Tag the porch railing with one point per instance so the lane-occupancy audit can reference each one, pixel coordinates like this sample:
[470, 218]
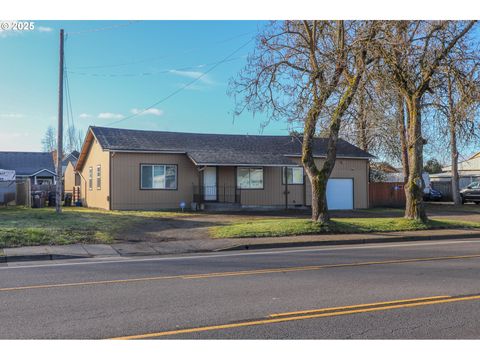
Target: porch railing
[220, 193]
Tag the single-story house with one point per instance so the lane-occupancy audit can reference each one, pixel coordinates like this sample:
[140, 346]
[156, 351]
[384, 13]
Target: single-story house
[468, 172]
[39, 167]
[69, 158]
[124, 169]
[71, 178]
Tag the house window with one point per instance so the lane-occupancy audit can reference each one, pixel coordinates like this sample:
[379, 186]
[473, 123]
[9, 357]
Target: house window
[159, 177]
[249, 178]
[90, 178]
[99, 177]
[294, 175]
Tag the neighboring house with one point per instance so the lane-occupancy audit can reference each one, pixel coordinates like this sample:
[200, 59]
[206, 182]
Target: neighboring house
[37, 166]
[70, 177]
[70, 158]
[380, 172]
[468, 171]
[133, 169]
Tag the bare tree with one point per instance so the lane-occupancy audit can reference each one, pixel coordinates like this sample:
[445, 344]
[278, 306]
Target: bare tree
[412, 53]
[74, 139]
[49, 140]
[370, 122]
[456, 103]
[307, 72]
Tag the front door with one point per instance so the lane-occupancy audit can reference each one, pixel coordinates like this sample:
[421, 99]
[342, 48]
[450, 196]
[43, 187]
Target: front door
[210, 183]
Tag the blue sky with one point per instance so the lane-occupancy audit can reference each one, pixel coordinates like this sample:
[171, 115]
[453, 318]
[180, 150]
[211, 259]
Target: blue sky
[120, 70]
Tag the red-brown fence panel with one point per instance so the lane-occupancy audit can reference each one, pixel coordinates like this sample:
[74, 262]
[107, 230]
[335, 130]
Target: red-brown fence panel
[386, 194]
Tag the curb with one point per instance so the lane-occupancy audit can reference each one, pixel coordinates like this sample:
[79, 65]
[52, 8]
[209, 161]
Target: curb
[349, 242]
[21, 258]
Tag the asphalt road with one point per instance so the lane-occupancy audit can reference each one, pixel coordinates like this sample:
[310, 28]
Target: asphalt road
[401, 291]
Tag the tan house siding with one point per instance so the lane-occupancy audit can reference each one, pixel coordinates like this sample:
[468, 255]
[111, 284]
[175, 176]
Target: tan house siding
[69, 178]
[126, 193]
[356, 169]
[273, 192]
[96, 198]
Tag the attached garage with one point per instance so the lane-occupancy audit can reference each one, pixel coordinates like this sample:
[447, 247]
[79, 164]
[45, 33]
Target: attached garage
[340, 194]
[347, 187]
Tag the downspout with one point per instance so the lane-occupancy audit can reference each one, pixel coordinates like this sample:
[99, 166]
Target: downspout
[285, 176]
[85, 181]
[112, 154]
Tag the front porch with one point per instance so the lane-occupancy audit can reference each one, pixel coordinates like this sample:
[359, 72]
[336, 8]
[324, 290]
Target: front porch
[217, 184]
[246, 186]
[216, 193]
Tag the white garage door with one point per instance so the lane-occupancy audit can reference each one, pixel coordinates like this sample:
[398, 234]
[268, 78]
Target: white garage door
[340, 194]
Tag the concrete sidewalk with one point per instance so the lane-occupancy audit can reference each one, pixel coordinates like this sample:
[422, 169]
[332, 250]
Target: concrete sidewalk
[76, 251]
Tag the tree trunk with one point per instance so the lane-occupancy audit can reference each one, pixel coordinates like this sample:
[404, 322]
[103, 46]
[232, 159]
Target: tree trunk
[319, 200]
[362, 142]
[453, 145]
[455, 178]
[414, 208]
[403, 136]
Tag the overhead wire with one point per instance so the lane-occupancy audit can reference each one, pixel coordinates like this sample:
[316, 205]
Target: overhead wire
[111, 27]
[183, 87]
[192, 67]
[163, 56]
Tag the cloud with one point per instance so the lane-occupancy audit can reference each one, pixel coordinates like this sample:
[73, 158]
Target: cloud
[44, 29]
[11, 115]
[85, 116]
[194, 75]
[108, 115]
[152, 111]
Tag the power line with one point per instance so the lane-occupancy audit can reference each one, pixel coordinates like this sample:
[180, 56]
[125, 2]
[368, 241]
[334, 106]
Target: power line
[192, 67]
[104, 28]
[163, 56]
[70, 117]
[185, 86]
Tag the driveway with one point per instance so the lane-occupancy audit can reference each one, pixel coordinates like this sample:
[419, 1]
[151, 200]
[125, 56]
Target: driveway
[196, 227]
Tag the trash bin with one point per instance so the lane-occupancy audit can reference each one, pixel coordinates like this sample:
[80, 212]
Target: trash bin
[68, 200]
[38, 199]
[51, 198]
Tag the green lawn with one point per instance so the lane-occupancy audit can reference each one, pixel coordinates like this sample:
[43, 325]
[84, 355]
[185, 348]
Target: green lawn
[288, 227]
[21, 226]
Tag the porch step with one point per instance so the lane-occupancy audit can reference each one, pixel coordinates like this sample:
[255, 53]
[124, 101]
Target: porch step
[222, 206]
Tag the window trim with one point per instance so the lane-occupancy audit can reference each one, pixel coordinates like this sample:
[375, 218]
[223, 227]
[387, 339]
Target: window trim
[250, 167]
[158, 189]
[284, 177]
[99, 177]
[90, 178]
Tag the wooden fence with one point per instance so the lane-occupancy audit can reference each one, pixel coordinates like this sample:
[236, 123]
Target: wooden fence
[386, 194]
[445, 187]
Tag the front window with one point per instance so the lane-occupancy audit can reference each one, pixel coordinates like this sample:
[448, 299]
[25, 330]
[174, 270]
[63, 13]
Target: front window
[294, 175]
[90, 178]
[250, 178]
[159, 177]
[99, 177]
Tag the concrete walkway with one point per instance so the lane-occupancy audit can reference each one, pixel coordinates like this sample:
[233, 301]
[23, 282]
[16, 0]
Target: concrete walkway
[34, 253]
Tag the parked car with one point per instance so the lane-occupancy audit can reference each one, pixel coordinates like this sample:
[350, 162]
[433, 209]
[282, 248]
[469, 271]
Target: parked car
[432, 195]
[471, 193]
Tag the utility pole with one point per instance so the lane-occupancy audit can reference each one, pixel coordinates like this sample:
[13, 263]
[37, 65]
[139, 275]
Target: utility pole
[58, 197]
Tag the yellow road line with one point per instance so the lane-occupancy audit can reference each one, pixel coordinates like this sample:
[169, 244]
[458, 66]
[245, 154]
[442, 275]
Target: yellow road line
[357, 306]
[294, 318]
[237, 273]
